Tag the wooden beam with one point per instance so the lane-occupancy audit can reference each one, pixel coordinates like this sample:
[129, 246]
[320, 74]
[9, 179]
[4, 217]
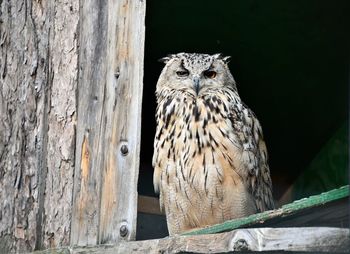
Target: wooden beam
[111, 49]
[259, 239]
[150, 205]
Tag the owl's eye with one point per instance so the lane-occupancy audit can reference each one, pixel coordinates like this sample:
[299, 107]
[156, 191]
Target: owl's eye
[210, 74]
[183, 73]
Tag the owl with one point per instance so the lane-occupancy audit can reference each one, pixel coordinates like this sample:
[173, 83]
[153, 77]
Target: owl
[210, 160]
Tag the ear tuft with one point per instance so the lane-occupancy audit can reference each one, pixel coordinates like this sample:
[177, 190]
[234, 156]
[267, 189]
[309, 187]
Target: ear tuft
[166, 59]
[220, 57]
[226, 59]
[217, 56]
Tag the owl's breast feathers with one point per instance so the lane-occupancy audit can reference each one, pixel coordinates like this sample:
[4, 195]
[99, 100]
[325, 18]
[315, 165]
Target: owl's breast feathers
[210, 159]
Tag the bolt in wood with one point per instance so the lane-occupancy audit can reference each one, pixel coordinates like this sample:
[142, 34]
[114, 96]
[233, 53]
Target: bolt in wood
[117, 73]
[123, 231]
[124, 150]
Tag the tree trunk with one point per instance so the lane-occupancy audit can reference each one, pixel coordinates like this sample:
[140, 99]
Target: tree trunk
[38, 77]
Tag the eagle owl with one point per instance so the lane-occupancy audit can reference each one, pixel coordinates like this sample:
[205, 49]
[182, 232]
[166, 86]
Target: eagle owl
[210, 159]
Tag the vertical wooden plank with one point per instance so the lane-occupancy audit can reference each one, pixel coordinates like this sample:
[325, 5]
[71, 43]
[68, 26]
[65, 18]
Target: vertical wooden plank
[109, 121]
[90, 100]
[123, 127]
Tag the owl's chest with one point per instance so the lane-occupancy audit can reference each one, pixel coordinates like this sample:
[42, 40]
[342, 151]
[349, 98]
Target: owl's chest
[200, 143]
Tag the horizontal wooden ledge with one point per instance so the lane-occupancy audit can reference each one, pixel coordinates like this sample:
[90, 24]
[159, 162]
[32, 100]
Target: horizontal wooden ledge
[305, 239]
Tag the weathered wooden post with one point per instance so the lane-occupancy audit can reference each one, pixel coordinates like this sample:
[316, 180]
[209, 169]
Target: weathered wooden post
[109, 121]
[38, 82]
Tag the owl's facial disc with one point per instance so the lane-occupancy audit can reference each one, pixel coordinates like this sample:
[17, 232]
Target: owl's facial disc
[195, 74]
[195, 79]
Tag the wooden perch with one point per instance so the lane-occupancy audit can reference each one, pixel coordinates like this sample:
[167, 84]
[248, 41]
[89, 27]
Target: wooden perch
[330, 206]
[256, 239]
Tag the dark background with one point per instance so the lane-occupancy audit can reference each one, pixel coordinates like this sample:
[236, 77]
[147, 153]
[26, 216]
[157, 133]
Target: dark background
[289, 58]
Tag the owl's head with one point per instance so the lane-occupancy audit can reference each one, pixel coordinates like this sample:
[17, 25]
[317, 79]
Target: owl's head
[195, 73]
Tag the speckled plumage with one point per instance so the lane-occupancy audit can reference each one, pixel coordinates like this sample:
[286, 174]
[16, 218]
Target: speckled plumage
[210, 159]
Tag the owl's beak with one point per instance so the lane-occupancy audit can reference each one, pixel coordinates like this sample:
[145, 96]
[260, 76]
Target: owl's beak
[196, 84]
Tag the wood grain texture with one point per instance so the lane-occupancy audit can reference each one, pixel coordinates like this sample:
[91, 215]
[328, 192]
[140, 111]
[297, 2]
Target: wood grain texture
[253, 240]
[109, 120]
[38, 72]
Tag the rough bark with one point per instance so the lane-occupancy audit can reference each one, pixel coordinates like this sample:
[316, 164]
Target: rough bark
[38, 77]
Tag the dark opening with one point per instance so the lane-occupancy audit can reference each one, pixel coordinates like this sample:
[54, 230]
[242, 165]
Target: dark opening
[291, 62]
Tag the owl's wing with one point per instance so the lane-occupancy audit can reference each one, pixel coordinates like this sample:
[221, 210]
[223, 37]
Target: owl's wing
[156, 162]
[254, 156]
[159, 157]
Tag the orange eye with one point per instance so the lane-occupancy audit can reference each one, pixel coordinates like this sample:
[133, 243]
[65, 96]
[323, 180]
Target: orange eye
[210, 74]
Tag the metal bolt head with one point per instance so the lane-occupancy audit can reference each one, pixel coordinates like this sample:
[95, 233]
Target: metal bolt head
[241, 245]
[123, 231]
[117, 73]
[124, 150]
